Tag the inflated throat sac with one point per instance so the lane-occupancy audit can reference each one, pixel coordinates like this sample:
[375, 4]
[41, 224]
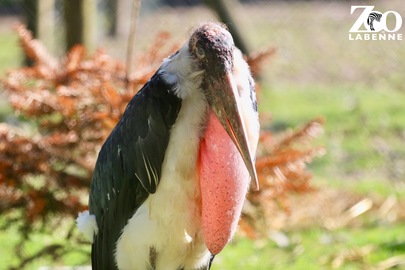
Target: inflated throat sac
[224, 181]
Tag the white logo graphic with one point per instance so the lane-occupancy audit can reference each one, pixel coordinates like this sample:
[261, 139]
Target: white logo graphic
[372, 24]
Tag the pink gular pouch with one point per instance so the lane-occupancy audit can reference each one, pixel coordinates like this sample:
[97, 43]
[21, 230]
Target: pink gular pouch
[224, 182]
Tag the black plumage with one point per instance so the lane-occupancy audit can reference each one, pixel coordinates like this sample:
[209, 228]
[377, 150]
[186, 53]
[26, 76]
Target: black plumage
[129, 164]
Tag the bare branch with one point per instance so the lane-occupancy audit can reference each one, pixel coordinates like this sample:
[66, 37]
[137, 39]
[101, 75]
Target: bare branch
[136, 6]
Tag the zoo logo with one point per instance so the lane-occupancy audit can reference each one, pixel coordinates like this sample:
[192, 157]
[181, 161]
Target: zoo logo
[375, 25]
[374, 16]
[368, 18]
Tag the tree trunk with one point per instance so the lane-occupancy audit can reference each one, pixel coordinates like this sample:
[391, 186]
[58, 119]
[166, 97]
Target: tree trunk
[39, 15]
[124, 11]
[73, 23]
[30, 8]
[80, 21]
[222, 8]
[111, 12]
[46, 23]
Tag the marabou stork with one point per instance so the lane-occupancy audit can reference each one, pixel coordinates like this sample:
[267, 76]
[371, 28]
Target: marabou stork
[170, 180]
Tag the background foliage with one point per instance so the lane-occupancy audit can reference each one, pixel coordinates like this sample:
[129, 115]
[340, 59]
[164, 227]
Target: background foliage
[72, 104]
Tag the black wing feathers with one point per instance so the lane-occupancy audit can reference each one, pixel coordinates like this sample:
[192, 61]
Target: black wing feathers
[129, 164]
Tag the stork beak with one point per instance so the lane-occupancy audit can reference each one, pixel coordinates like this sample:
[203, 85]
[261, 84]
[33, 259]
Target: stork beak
[222, 95]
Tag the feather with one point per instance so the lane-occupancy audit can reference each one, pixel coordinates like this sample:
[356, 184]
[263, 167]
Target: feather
[87, 224]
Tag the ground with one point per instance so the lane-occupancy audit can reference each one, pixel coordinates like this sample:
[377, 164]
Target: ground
[356, 218]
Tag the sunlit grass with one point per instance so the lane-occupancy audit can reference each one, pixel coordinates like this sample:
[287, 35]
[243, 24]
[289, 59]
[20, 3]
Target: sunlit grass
[78, 255]
[363, 132]
[317, 248]
[10, 52]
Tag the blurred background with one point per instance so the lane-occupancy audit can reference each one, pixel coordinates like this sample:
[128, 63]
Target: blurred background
[352, 217]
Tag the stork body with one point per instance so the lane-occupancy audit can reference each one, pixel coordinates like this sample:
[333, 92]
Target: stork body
[169, 182]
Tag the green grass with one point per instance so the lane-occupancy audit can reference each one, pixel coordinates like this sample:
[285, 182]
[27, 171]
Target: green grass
[55, 236]
[10, 57]
[316, 248]
[10, 52]
[363, 132]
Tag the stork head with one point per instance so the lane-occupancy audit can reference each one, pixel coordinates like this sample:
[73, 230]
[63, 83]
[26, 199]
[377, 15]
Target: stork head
[213, 48]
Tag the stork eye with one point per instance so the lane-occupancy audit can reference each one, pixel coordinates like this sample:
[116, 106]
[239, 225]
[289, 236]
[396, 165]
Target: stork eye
[200, 52]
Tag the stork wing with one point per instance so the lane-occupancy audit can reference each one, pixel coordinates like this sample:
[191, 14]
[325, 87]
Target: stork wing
[129, 165]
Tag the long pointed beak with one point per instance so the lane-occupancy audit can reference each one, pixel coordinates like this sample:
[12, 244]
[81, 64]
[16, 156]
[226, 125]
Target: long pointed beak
[222, 95]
